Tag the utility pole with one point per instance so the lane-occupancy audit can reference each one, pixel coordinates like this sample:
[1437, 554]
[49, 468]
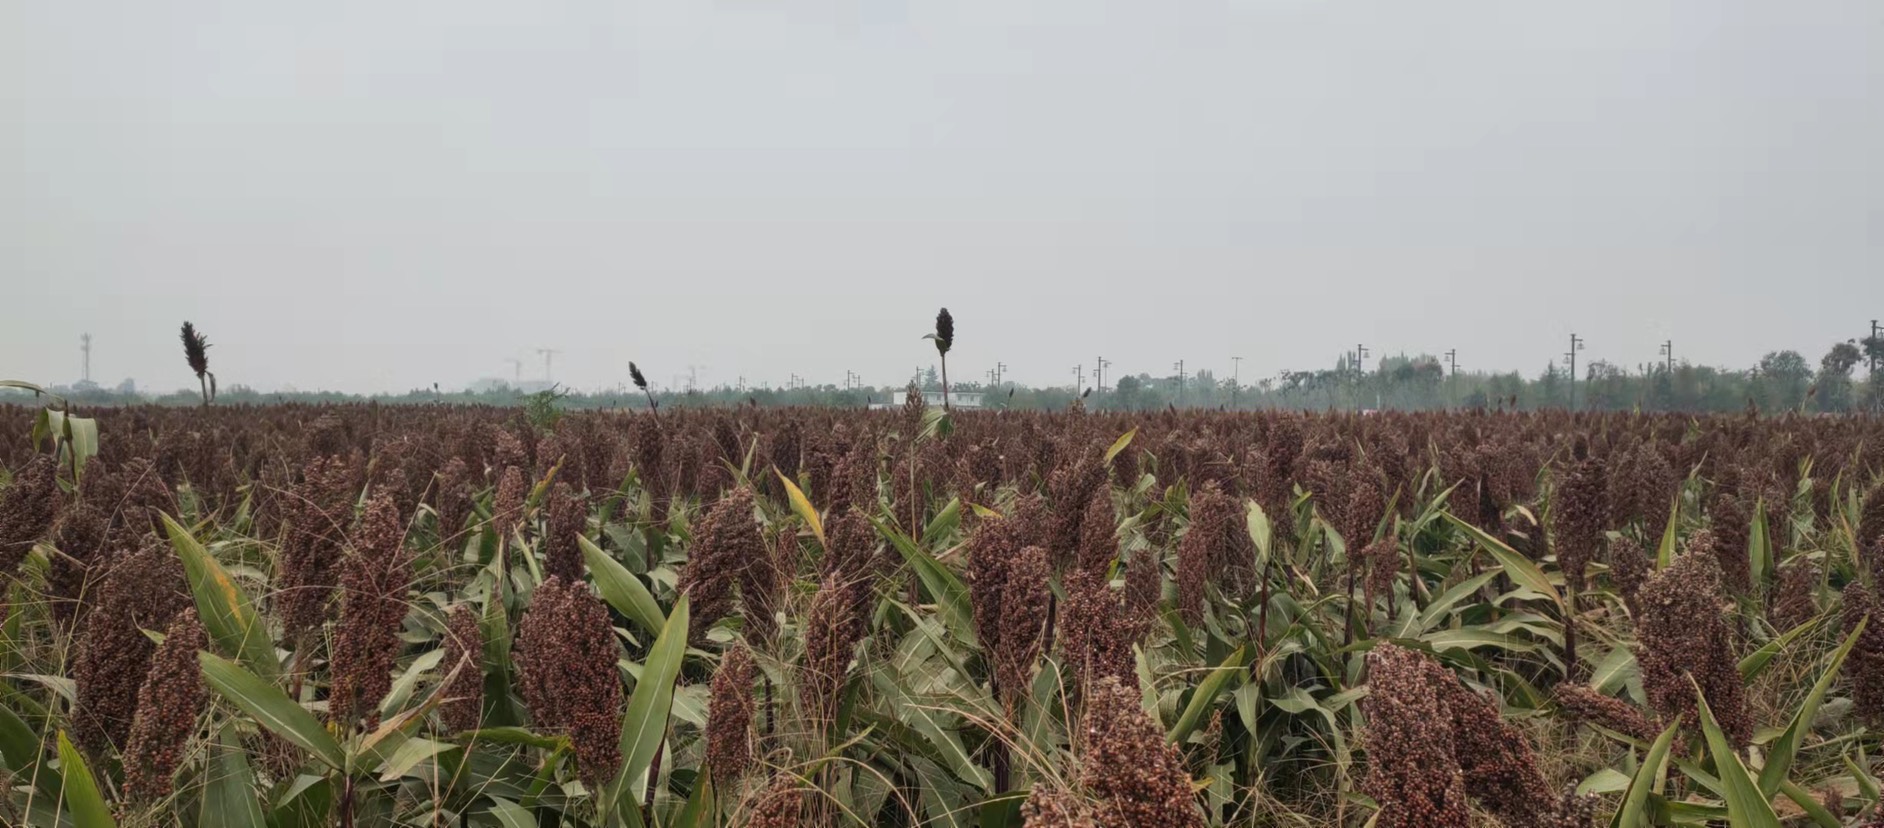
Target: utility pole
[1000, 372]
[1668, 350]
[1179, 367]
[1452, 379]
[1079, 378]
[516, 372]
[1576, 344]
[85, 347]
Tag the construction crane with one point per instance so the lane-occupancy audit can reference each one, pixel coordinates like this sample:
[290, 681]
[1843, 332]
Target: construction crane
[85, 347]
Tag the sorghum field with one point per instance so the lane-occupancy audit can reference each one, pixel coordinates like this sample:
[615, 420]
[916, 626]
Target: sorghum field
[381, 615]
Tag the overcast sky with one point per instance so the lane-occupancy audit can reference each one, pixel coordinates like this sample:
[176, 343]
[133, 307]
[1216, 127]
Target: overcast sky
[374, 196]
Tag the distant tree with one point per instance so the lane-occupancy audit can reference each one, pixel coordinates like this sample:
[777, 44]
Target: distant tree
[1834, 379]
[1783, 377]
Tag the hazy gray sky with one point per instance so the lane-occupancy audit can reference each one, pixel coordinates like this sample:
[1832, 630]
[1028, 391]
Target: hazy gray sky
[376, 196]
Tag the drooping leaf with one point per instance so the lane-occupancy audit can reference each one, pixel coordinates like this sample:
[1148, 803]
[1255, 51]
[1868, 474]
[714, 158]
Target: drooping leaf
[1521, 569]
[1120, 444]
[621, 589]
[228, 615]
[271, 708]
[802, 507]
[942, 584]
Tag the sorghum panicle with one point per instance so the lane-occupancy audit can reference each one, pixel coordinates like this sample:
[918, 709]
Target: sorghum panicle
[565, 658]
[1864, 667]
[1215, 549]
[1793, 601]
[725, 542]
[780, 805]
[1050, 807]
[1629, 567]
[144, 590]
[451, 498]
[568, 517]
[729, 717]
[1682, 632]
[1412, 770]
[1023, 621]
[1500, 767]
[374, 577]
[463, 708]
[168, 706]
[1583, 704]
[1137, 775]
[317, 511]
[507, 505]
[833, 626]
[1096, 637]
[1098, 532]
[762, 586]
[1577, 516]
[28, 507]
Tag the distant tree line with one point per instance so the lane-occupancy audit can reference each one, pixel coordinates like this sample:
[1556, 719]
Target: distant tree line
[1848, 377]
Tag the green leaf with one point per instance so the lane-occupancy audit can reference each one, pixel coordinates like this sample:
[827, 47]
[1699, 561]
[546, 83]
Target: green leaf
[1755, 662]
[306, 802]
[227, 614]
[408, 681]
[1205, 696]
[1759, 551]
[81, 790]
[1261, 531]
[1746, 806]
[511, 815]
[1120, 444]
[1665, 553]
[1810, 804]
[621, 589]
[1521, 569]
[947, 589]
[943, 522]
[1780, 754]
[271, 708]
[19, 745]
[76, 437]
[229, 788]
[645, 724]
[802, 506]
[1634, 812]
[699, 812]
[409, 753]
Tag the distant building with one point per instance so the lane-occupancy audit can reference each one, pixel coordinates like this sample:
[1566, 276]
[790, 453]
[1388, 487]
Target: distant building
[957, 399]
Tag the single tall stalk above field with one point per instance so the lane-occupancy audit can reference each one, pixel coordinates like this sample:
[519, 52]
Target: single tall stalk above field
[196, 353]
[944, 337]
[641, 382]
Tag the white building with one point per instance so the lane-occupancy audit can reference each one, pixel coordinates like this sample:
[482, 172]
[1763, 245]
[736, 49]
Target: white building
[957, 399]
